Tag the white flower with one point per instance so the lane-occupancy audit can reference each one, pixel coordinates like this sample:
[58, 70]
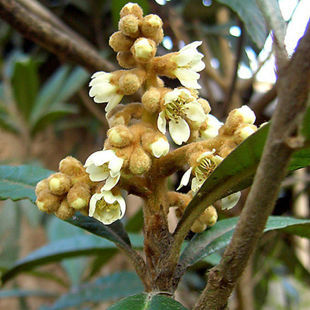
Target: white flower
[206, 163]
[189, 62]
[246, 113]
[180, 105]
[104, 165]
[106, 207]
[104, 91]
[212, 127]
[230, 201]
[160, 147]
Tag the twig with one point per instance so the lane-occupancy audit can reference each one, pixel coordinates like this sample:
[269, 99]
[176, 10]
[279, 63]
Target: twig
[51, 38]
[260, 103]
[93, 108]
[231, 91]
[293, 91]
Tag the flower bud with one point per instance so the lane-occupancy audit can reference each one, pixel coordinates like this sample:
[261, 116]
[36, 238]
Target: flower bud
[119, 136]
[209, 216]
[205, 105]
[151, 100]
[41, 186]
[47, 202]
[198, 227]
[71, 167]
[243, 132]
[59, 183]
[131, 8]
[139, 162]
[151, 25]
[160, 147]
[119, 42]
[126, 60]
[64, 211]
[143, 50]
[129, 26]
[129, 83]
[78, 196]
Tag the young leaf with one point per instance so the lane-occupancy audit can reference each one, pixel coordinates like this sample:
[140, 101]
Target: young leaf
[25, 84]
[147, 302]
[19, 182]
[218, 236]
[108, 288]
[253, 20]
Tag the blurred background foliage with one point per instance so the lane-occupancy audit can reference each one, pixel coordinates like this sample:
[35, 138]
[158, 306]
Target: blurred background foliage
[46, 114]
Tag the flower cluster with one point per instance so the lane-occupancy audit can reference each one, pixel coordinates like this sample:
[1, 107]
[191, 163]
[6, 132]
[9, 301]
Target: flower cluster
[137, 139]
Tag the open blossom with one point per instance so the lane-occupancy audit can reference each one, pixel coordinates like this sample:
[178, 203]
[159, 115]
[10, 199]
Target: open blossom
[103, 90]
[179, 106]
[104, 165]
[206, 163]
[188, 61]
[106, 207]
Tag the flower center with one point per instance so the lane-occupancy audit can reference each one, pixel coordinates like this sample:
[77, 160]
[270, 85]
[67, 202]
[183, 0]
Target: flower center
[102, 205]
[177, 108]
[204, 169]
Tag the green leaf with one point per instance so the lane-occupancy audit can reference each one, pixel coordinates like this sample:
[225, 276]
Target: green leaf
[109, 288]
[236, 172]
[135, 223]
[58, 230]
[147, 302]
[58, 250]
[25, 293]
[65, 248]
[19, 182]
[116, 6]
[114, 232]
[253, 20]
[55, 112]
[47, 93]
[218, 236]
[25, 84]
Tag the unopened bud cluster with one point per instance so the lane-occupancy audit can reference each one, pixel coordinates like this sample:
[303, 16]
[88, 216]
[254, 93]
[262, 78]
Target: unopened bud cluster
[137, 135]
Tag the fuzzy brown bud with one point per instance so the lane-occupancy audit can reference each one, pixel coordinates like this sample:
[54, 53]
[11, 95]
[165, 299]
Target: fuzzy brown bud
[47, 202]
[71, 167]
[59, 183]
[64, 211]
[205, 105]
[151, 100]
[209, 216]
[150, 25]
[129, 25]
[140, 162]
[126, 60]
[129, 83]
[41, 186]
[119, 136]
[119, 42]
[131, 8]
[198, 227]
[78, 196]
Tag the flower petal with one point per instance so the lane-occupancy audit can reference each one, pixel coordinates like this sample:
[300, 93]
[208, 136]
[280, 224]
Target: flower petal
[115, 166]
[161, 122]
[195, 112]
[179, 131]
[185, 178]
[113, 102]
[196, 184]
[110, 182]
[187, 77]
[230, 201]
[92, 203]
[97, 174]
